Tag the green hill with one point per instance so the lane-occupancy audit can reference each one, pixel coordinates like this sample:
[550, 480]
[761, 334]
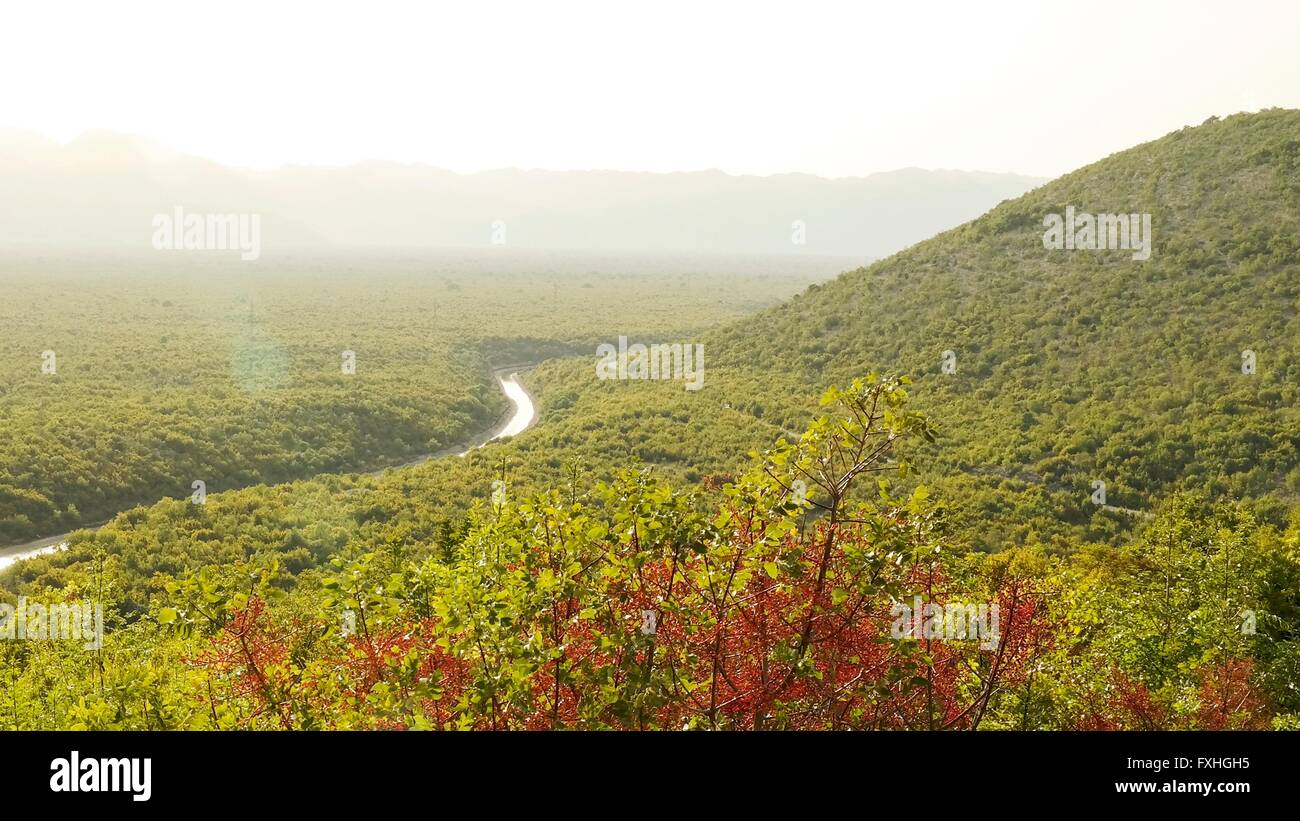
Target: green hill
[1070, 366]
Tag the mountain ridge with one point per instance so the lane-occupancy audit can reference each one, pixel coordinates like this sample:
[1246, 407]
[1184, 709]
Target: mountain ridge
[105, 187]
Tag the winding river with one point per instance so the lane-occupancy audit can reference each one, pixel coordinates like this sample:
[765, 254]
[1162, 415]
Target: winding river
[520, 419]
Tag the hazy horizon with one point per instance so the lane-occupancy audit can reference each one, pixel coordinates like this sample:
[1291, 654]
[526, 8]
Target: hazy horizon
[13, 136]
[108, 188]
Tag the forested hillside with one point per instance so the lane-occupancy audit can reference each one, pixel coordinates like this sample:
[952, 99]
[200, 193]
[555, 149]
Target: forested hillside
[635, 604]
[1070, 366]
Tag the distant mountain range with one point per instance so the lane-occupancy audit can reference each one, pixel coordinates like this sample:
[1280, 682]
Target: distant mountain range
[105, 188]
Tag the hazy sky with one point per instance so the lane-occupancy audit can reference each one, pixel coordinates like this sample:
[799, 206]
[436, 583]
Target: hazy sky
[827, 88]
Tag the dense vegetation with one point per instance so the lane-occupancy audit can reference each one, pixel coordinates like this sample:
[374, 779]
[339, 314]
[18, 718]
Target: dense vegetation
[1174, 605]
[1070, 367]
[635, 605]
[170, 370]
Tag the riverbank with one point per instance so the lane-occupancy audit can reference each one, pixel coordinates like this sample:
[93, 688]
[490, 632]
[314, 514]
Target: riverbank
[521, 415]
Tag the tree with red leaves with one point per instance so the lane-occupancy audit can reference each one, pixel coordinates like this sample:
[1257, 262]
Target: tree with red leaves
[799, 596]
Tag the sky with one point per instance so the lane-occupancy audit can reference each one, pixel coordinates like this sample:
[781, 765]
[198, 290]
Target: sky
[833, 89]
